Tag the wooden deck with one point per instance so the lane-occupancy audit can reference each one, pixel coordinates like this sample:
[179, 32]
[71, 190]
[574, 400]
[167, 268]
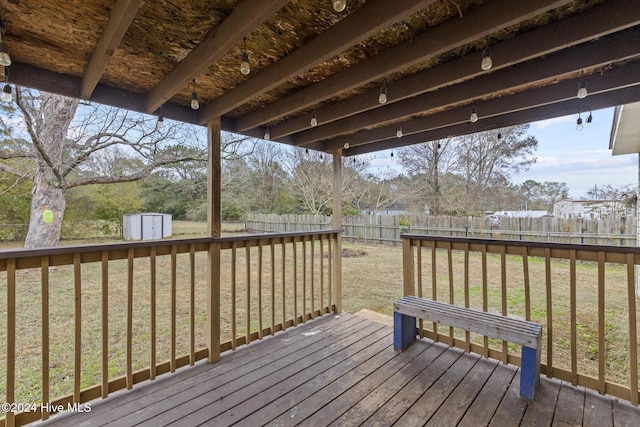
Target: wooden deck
[342, 370]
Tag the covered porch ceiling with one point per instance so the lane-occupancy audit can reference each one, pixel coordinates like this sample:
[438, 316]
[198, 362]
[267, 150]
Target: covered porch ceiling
[309, 60]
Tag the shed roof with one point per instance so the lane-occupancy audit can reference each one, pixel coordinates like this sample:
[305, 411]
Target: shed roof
[308, 59]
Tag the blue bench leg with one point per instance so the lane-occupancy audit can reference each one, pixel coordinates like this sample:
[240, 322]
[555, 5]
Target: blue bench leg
[529, 372]
[404, 331]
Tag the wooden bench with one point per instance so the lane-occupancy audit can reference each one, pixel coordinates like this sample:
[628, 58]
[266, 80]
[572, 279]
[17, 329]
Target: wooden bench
[522, 332]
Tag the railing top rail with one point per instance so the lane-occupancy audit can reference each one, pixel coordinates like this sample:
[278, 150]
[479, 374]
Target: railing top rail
[61, 250]
[523, 243]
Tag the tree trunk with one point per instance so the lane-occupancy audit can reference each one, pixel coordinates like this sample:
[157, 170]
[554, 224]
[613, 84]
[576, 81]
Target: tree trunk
[44, 197]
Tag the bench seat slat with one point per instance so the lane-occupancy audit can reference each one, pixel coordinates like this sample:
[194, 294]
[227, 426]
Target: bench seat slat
[516, 331]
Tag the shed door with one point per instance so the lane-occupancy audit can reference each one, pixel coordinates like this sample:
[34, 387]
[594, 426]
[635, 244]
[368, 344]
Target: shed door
[151, 227]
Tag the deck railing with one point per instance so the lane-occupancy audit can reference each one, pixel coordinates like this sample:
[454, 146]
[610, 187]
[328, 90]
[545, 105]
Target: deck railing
[583, 295]
[85, 321]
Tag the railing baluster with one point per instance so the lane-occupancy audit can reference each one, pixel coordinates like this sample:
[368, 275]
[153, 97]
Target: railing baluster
[527, 283]
[451, 292]
[105, 324]
[419, 278]
[321, 275]
[248, 310]
[77, 366]
[601, 325]
[153, 309]
[192, 304]
[573, 316]
[44, 277]
[330, 243]
[467, 334]
[304, 279]
[633, 333]
[273, 287]
[174, 305]
[485, 294]
[283, 266]
[434, 285]
[129, 350]
[11, 339]
[295, 283]
[233, 295]
[260, 271]
[313, 263]
[547, 274]
[503, 291]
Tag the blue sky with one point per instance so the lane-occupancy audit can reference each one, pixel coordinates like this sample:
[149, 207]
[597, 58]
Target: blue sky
[581, 159]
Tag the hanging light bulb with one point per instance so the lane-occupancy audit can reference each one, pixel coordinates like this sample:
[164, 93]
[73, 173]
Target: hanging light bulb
[267, 134]
[582, 89]
[339, 5]
[321, 156]
[474, 115]
[245, 68]
[346, 145]
[579, 123]
[382, 98]
[194, 97]
[499, 135]
[486, 63]
[391, 154]
[589, 117]
[354, 160]
[306, 152]
[160, 121]
[314, 119]
[6, 93]
[399, 132]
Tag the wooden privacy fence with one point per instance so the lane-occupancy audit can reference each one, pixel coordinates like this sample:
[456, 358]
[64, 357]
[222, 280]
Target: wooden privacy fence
[83, 322]
[387, 229]
[589, 314]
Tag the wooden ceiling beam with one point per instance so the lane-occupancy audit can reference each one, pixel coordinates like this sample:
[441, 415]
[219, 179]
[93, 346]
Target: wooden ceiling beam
[594, 23]
[564, 108]
[352, 29]
[616, 47]
[477, 24]
[244, 18]
[120, 19]
[623, 76]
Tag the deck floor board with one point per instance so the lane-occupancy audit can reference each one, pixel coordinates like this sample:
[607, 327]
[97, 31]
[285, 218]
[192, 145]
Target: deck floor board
[342, 371]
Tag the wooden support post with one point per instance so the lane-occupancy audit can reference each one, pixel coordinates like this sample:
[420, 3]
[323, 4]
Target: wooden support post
[214, 228]
[336, 223]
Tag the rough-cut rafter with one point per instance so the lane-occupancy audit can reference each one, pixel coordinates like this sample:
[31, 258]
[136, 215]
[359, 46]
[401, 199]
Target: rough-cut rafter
[594, 23]
[543, 71]
[610, 80]
[349, 31]
[480, 23]
[248, 15]
[120, 18]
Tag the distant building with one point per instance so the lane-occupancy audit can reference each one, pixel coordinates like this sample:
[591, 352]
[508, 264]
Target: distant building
[522, 214]
[589, 209]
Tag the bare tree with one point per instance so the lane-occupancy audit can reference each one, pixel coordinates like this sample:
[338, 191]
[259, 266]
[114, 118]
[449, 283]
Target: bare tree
[71, 145]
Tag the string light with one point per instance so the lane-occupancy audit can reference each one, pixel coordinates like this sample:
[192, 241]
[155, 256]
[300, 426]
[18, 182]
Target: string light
[245, 68]
[486, 63]
[474, 115]
[579, 123]
[194, 97]
[306, 152]
[267, 134]
[399, 132]
[589, 117]
[346, 145]
[339, 5]
[160, 121]
[582, 89]
[499, 134]
[382, 98]
[314, 119]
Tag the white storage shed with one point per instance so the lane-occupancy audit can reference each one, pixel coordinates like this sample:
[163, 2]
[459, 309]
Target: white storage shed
[147, 226]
